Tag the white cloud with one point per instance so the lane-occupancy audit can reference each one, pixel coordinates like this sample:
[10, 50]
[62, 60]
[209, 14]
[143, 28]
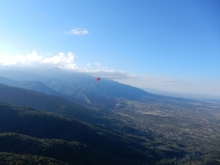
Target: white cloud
[61, 60]
[33, 60]
[78, 31]
[97, 63]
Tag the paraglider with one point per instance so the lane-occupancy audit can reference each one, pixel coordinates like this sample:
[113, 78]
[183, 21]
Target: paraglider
[97, 79]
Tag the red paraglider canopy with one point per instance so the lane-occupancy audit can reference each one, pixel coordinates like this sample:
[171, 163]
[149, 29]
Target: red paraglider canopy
[97, 79]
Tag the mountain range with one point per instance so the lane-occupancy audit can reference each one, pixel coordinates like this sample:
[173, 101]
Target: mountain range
[76, 87]
[62, 117]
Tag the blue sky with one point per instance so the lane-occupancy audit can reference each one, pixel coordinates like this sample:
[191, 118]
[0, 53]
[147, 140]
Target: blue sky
[170, 45]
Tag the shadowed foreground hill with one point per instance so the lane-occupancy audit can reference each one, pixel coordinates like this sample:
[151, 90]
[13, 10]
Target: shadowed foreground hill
[48, 103]
[43, 125]
[67, 152]
[12, 159]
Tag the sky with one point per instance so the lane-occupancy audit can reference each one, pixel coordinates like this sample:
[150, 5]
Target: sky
[172, 45]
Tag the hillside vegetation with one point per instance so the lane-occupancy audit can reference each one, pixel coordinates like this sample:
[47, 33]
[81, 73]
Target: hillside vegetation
[12, 159]
[68, 118]
[34, 123]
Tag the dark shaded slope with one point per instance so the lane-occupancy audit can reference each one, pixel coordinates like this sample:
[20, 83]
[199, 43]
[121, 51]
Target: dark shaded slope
[67, 152]
[42, 125]
[18, 159]
[49, 103]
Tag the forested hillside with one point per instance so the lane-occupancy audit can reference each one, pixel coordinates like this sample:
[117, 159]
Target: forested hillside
[130, 126]
[95, 141]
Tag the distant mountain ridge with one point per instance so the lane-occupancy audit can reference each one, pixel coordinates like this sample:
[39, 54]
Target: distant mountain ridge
[76, 87]
[37, 86]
